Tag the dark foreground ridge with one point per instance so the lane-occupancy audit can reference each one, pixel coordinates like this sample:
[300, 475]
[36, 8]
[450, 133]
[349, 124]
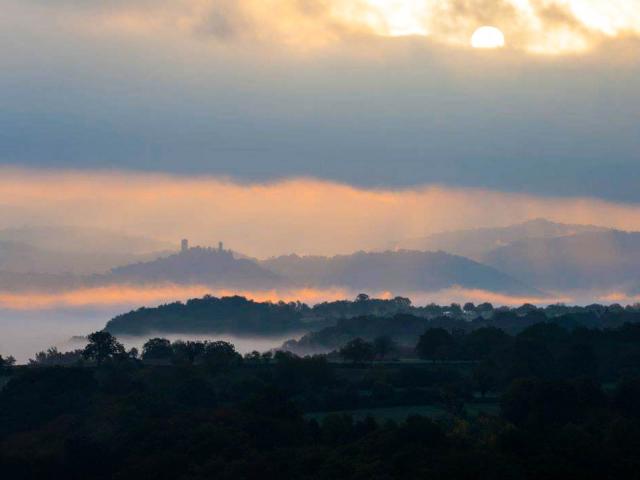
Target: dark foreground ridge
[396, 317]
[550, 401]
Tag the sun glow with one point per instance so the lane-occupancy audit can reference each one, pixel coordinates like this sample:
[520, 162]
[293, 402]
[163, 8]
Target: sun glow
[548, 27]
[561, 27]
[487, 38]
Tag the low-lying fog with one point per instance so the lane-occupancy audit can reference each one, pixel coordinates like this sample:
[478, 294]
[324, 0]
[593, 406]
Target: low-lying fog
[29, 324]
[24, 333]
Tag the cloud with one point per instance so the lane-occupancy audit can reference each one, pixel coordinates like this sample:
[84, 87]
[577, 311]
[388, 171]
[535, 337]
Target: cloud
[293, 215]
[540, 26]
[123, 296]
[127, 297]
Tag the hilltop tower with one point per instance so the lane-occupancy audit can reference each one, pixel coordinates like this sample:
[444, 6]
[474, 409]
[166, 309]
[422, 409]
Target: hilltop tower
[220, 246]
[184, 245]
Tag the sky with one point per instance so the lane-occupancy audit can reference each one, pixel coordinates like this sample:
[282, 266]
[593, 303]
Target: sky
[375, 95]
[301, 215]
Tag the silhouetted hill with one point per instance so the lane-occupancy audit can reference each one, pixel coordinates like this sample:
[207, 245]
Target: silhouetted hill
[594, 260]
[199, 266]
[404, 271]
[406, 328]
[477, 243]
[231, 315]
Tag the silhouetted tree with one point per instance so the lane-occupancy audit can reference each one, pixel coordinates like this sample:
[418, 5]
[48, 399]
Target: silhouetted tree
[253, 357]
[484, 342]
[7, 362]
[186, 352]
[580, 360]
[267, 356]
[434, 344]
[52, 357]
[157, 349]
[220, 354]
[383, 346]
[103, 346]
[484, 308]
[626, 397]
[486, 376]
[357, 351]
[455, 309]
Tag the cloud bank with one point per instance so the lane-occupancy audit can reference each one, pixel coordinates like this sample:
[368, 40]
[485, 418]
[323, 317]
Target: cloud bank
[537, 26]
[327, 89]
[265, 219]
[126, 297]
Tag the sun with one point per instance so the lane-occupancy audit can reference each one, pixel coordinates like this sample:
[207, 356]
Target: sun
[487, 37]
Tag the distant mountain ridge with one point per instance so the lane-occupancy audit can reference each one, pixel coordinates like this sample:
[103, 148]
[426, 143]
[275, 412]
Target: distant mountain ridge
[551, 256]
[206, 266]
[408, 271]
[477, 243]
[405, 271]
[606, 260]
[532, 259]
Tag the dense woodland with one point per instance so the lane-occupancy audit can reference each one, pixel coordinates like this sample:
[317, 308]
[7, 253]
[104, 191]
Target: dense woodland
[555, 399]
[240, 316]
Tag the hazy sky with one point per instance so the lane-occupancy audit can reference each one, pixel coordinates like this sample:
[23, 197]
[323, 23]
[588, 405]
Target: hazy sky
[293, 215]
[383, 93]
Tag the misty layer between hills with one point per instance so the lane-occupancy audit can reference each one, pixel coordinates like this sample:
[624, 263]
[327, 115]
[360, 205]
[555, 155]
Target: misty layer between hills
[533, 259]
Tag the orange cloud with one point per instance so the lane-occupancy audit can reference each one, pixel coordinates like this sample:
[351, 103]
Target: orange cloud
[540, 26]
[128, 296]
[264, 219]
[135, 296]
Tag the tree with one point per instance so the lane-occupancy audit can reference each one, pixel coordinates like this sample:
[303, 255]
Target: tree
[545, 333]
[253, 357]
[103, 346]
[539, 403]
[383, 346]
[7, 362]
[435, 344]
[580, 360]
[157, 349]
[187, 352]
[484, 343]
[455, 309]
[357, 351]
[402, 302]
[525, 309]
[469, 307]
[267, 356]
[626, 397]
[486, 376]
[484, 308]
[53, 356]
[220, 354]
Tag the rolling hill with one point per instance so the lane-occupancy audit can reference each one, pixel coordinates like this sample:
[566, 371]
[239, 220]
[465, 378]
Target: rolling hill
[401, 271]
[477, 243]
[608, 260]
[203, 266]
